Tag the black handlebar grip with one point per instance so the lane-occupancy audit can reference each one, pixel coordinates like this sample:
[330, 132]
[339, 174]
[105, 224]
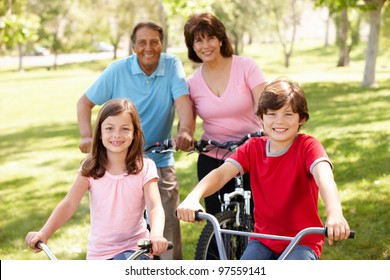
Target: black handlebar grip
[170, 245]
[196, 215]
[351, 234]
[38, 244]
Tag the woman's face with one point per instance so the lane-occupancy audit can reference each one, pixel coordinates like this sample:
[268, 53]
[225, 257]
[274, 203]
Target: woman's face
[206, 47]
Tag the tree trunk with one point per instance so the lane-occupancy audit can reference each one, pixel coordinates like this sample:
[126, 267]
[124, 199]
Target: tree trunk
[372, 46]
[327, 26]
[130, 49]
[20, 68]
[342, 34]
[164, 22]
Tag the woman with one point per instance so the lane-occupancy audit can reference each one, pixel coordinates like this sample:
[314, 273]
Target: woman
[224, 91]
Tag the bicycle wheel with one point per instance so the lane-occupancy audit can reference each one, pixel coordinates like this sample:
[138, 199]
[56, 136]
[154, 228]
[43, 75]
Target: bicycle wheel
[235, 245]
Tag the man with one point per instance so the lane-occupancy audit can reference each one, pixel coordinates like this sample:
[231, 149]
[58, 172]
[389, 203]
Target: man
[155, 82]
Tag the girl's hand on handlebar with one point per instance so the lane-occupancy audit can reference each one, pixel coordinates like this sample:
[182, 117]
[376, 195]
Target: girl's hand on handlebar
[159, 245]
[32, 239]
[186, 210]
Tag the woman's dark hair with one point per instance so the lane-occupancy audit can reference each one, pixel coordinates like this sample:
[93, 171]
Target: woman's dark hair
[280, 92]
[95, 164]
[205, 24]
[149, 25]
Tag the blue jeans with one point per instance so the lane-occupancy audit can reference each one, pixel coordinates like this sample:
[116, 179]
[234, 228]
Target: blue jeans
[258, 251]
[126, 254]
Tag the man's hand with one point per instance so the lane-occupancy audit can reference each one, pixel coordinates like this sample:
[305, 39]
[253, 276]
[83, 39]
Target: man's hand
[85, 145]
[183, 140]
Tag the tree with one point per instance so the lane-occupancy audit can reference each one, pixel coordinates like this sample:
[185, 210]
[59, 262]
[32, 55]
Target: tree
[347, 17]
[238, 16]
[17, 31]
[287, 16]
[373, 43]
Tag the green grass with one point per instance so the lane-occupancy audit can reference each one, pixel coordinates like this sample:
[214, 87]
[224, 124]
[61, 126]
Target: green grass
[39, 154]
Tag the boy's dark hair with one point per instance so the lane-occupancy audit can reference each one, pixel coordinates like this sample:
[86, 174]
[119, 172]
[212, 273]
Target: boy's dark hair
[205, 24]
[280, 92]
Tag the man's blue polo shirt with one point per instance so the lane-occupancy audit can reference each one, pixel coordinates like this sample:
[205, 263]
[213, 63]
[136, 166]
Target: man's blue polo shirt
[153, 95]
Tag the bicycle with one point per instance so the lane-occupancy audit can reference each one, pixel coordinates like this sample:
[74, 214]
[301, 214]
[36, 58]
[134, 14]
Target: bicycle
[214, 222]
[145, 247]
[235, 210]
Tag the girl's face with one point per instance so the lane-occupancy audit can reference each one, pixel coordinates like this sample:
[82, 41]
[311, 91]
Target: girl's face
[117, 133]
[281, 126]
[207, 47]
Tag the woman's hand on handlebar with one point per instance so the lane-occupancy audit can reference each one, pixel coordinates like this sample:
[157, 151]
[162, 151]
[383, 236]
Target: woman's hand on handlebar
[186, 210]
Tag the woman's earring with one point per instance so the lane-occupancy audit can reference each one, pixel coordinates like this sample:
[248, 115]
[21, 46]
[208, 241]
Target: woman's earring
[220, 44]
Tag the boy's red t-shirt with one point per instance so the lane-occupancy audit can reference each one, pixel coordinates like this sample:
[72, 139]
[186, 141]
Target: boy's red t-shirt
[284, 191]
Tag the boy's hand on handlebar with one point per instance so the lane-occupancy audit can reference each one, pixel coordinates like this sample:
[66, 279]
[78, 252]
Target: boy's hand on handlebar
[186, 210]
[337, 229]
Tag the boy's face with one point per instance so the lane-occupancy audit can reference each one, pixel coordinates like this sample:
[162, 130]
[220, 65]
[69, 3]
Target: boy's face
[281, 126]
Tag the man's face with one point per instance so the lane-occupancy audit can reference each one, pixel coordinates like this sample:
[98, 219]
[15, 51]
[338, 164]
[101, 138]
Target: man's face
[148, 48]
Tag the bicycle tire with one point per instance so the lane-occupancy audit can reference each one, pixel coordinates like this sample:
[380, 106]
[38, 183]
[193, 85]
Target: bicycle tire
[235, 245]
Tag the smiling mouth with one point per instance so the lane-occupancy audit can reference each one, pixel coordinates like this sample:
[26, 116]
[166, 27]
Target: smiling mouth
[116, 143]
[207, 53]
[280, 129]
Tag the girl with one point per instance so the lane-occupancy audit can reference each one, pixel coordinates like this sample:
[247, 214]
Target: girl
[287, 170]
[121, 182]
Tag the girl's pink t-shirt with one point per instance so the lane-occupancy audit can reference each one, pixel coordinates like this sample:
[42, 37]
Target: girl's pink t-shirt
[117, 207]
[231, 116]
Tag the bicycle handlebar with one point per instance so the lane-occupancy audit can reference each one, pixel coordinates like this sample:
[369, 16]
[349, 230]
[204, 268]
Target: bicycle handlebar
[201, 145]
[163, 146]
[200, 215]
[145, 246]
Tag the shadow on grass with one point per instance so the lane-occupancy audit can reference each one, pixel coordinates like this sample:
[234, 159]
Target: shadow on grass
[38, 138]
[345, 104]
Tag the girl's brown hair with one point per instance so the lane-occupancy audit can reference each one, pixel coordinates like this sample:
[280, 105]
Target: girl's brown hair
[280, 92]
[205, 24]
[95, 164]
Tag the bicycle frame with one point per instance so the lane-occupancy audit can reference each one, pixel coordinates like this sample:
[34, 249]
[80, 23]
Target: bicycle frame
[293, 240]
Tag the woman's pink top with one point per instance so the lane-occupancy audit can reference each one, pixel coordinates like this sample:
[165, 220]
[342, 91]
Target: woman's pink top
[231, 116]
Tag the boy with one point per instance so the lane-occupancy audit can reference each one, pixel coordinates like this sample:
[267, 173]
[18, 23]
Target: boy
[287, 170]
